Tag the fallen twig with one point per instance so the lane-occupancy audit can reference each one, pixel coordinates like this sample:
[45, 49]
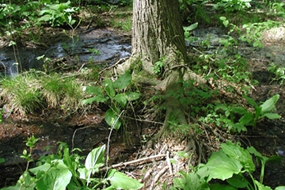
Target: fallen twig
[142, 160]
[158, 176]
[114, 65]
[142, 120]
[168, 163]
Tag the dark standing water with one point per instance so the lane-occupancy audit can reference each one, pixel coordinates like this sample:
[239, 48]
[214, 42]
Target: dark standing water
[94, 46]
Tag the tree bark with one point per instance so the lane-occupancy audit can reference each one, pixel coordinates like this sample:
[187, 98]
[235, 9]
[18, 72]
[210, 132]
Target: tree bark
[157, 33]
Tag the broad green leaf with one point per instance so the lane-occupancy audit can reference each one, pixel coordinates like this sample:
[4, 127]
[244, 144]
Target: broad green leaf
[191, 181]
[123, 81]
[191, 27]
[94, 90]
[27, 183]
[57, 178]
[108, 84]
[119, 180]
[238, 127]
[16, 187]
[133, 96]
[217, 186]
[71, 164]
[202, 171]
[83, 173]
[246, 119]
[112, 119]
[253, 151]
[2, 160]
[109, 188]
[45, 18]
[45, 167]
[239, 110]
[98, 98]
[258, 112]
[269, 104]
[274, 159]
[95, 158]
[251, 101]
[280, 188]
[261, 186]
[222, 167]
[121, 99]
[272, 115]
[221, 106]
[72, 186]
[235, 152]
[238, 181]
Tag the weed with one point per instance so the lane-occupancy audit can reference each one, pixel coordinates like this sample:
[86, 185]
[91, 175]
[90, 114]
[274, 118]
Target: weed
[237, 118]
[58, 14]
[34, 90]
[123, 22]
[72, 94]
[231, 164]
[112, 91]
[279, 72]
[66, 171]
[159, 66]
[188, 29]
[254, 32]
[233, 5]
[22, 93]
[52, 90]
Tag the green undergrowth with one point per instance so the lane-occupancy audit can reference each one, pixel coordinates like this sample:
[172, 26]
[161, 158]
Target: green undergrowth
[69, 170]
[236, 118]
[32, 91]
[230, 168]
[116, 95]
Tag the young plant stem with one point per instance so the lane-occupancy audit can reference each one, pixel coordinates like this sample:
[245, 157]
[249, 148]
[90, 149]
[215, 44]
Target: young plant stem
[262, 171]
[109, 138]
[28, 161]
[252, 179]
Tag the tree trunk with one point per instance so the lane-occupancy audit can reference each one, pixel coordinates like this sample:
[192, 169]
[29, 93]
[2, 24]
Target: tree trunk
[157, 32]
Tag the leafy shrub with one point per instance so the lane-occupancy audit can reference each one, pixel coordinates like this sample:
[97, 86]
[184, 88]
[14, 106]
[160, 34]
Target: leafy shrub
[237, 118]
[66, 171]
[112, 91]
[231, 165]
[58, 14]
[278, 71]
[232, 5]
[254, 31]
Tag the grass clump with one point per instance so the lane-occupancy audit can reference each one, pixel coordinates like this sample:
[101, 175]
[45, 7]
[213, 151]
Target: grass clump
[32, 91]
[72, 94]
[22, 93]
[52, 90]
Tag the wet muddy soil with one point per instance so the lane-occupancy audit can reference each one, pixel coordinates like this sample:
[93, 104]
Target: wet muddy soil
[96, 46]
[83, 131]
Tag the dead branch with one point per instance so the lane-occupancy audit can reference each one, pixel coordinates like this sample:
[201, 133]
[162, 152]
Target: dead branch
[156, 178]
[140, 161]
[168, 163]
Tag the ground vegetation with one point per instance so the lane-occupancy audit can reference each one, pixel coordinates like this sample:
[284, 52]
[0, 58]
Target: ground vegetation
[190, 99]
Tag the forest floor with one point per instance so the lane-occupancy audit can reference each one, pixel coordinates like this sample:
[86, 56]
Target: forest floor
[87, 131]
